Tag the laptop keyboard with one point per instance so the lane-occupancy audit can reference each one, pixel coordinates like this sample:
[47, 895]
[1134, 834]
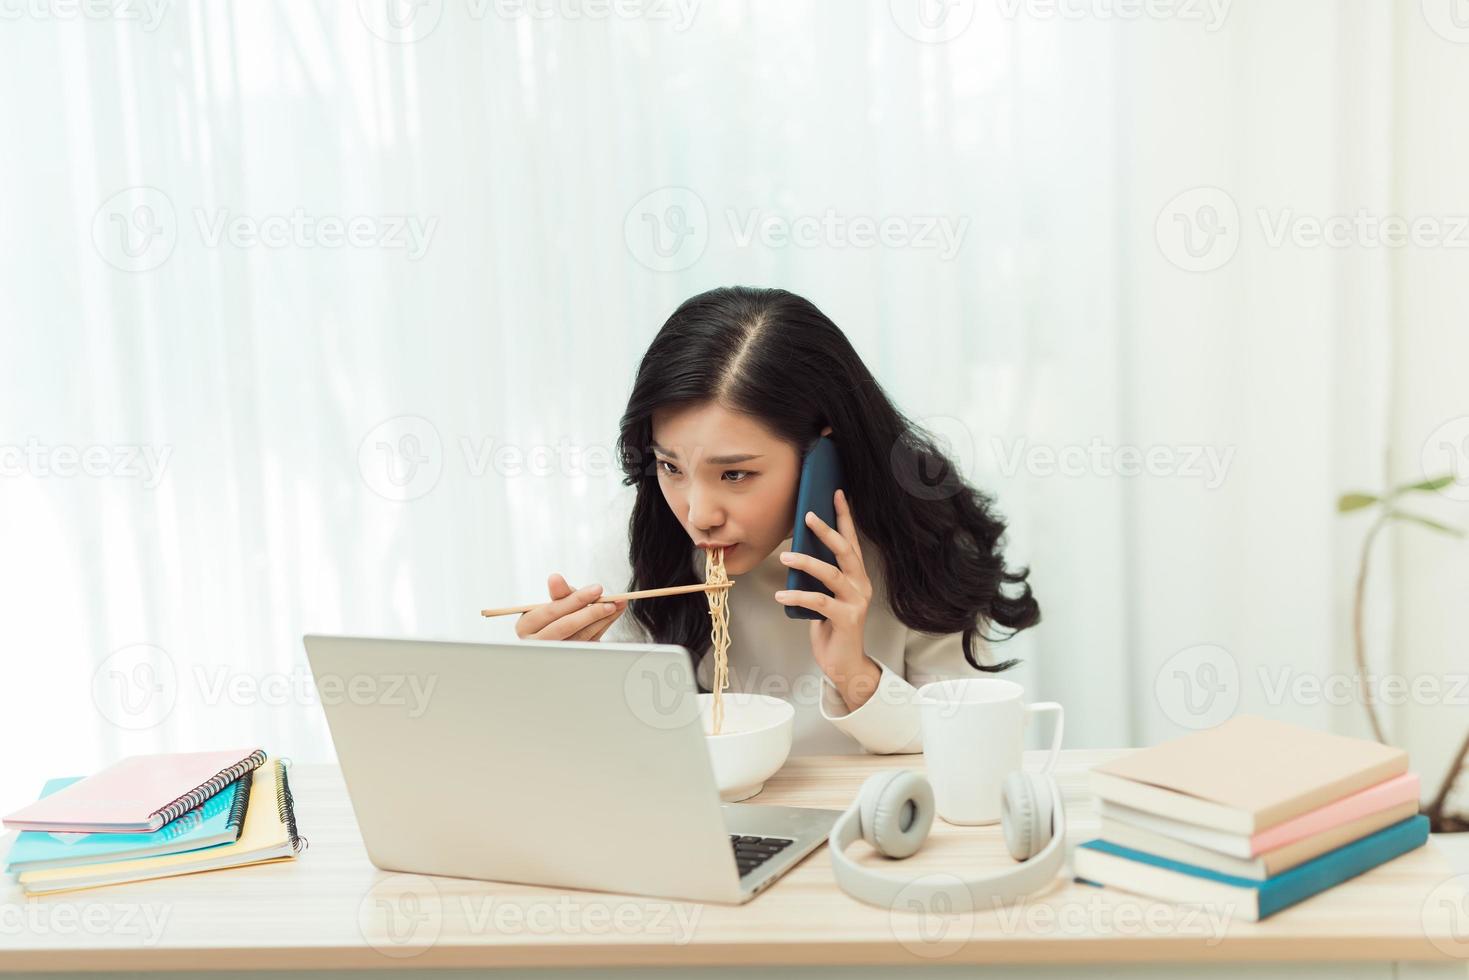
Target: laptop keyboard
[751, 852]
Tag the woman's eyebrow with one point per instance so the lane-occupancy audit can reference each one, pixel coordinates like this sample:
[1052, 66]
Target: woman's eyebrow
[715, 460]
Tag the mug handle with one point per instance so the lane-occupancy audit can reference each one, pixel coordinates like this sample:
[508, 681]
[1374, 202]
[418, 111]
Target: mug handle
[1044, 707]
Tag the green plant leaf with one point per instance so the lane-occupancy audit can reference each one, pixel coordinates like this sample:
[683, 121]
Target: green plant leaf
[1354, 501]
[1425, 486]
[1427, 522]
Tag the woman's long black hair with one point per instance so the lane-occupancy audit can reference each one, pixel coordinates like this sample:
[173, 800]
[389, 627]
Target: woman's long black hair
[774, 356]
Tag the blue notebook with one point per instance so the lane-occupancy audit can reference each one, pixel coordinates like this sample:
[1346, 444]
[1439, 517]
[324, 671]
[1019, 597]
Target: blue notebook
[218, 820]
[1101, 863]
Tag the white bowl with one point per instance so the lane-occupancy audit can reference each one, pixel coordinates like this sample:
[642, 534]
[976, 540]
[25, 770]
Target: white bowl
[753, 742]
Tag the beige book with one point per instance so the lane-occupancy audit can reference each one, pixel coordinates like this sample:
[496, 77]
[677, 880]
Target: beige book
[1247, 774]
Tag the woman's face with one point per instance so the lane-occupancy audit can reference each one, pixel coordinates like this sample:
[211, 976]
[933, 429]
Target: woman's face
[728, 480]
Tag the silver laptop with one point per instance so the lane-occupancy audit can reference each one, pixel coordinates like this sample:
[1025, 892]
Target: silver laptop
[576, 765]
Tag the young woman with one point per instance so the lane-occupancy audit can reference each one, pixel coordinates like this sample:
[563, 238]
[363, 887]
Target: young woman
[734, 389]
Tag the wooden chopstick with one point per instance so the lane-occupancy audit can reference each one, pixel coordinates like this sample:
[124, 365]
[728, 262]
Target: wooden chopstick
[644, 594]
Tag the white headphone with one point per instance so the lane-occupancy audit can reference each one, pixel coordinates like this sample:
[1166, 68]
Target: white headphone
[894, 811]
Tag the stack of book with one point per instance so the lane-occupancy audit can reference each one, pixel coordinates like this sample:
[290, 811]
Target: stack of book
[154, 816]
[1255, 814]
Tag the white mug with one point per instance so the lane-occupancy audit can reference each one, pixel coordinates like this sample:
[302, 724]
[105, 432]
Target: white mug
[973, 735]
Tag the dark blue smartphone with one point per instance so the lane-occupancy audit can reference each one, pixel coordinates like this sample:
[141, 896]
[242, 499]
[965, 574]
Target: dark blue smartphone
[821, 477]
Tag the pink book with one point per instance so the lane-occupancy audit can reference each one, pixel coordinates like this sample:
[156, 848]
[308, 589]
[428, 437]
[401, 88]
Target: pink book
[138, 794]
[1380, 796]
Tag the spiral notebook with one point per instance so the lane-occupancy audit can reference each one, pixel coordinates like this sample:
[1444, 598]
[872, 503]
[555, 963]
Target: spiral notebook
[269, 835]
[138, 794]
[218, 820]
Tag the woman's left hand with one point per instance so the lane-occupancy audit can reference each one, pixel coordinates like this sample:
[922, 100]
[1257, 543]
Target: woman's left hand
[836, 642]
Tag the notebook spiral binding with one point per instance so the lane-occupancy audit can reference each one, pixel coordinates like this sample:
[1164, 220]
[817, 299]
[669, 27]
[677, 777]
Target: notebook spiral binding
[239, 803]
[286, 807]
[215, 783]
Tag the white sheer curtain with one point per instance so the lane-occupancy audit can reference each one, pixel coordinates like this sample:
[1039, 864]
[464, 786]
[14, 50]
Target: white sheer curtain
[334, 275]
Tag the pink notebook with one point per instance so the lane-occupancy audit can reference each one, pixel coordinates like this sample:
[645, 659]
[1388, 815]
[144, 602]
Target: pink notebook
[138, 794]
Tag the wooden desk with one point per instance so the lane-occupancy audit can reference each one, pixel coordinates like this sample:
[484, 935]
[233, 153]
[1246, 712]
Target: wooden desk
[333, 909]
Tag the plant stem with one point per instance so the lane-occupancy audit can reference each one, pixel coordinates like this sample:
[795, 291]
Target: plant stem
[1359, 642]
[1435, 809]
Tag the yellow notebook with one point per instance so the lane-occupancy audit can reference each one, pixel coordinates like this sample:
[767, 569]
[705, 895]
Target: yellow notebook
[269, 835]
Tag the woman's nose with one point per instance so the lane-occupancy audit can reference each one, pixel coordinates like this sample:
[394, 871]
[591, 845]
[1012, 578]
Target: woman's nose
[705, 513]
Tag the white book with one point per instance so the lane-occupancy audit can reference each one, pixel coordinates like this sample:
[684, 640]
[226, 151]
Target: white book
[1219, 841]
[1262, 866]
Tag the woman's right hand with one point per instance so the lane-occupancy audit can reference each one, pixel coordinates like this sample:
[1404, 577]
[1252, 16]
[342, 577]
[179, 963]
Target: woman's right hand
[572, 614]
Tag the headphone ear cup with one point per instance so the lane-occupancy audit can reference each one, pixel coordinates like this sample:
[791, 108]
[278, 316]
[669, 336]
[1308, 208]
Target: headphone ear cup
[896, 811]
[867, 800]
[1025, 813]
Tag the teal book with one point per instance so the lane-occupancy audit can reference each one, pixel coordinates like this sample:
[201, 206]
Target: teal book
[1102, 863]
[218, 820]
